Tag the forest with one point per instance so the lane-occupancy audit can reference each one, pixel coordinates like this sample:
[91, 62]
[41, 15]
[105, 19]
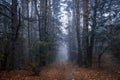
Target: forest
[59, 39]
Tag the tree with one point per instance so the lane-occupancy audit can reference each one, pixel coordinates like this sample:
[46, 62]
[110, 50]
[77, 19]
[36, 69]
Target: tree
[78, 29]
[92, 36]
[85, 35]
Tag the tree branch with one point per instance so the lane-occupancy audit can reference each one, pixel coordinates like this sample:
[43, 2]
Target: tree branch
[5, 15]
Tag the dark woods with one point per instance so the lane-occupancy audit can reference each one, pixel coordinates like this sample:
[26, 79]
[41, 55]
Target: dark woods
[30, 31]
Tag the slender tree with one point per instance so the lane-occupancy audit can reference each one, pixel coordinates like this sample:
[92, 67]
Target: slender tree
[92, 36]
[78, 30]
[85, 34]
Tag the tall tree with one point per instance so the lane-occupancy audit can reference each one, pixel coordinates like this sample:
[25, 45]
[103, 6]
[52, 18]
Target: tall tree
[85, 35]
[78, 30]
[92, 36]
[14, 35]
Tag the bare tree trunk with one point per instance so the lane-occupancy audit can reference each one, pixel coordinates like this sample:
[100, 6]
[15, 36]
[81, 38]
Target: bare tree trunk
[28, 24]
[90, 48]
[6, 46]
[85, 35]
[13, 37]
[28, 34]
[99, 60]
[43, 31]
[77, 16]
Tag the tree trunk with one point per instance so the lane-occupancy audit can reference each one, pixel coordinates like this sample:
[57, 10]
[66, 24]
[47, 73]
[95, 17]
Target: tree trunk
[90, 48]
[85, 35]
[13, 37]
[28, 24]
[99, 60]
[77, 12]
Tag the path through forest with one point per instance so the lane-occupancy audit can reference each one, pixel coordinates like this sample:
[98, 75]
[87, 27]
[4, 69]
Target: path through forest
[60, 71]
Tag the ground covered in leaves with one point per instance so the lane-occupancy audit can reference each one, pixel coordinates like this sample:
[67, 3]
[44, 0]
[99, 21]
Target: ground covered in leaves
[60, 71]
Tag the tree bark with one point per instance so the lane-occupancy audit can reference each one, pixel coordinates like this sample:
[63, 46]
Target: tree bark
[92, 37]
[77, 16]
[85, 34]
[13, 37]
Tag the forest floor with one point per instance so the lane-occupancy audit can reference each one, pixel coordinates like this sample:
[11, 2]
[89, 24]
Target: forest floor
[60, 71]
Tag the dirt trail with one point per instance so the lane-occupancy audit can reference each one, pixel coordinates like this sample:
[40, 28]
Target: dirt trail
[66, 71]
[60, 71]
